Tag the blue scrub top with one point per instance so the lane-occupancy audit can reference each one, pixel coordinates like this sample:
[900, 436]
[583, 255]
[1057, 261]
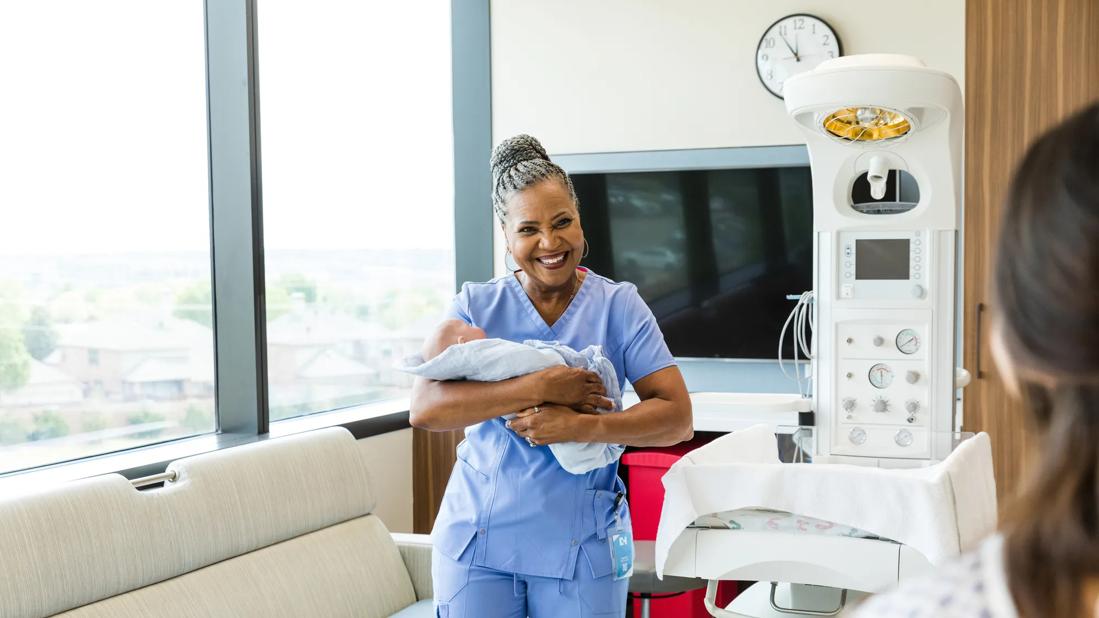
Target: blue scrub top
[515, 505]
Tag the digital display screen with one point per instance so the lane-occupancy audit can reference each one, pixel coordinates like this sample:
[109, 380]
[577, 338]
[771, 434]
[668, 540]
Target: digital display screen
[881, 259]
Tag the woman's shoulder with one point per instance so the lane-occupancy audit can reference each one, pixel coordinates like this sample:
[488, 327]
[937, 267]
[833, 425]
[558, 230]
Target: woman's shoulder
[483, 290]
[971, 585]
[611, 289]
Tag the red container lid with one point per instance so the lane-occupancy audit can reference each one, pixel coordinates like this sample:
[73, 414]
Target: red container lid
[664, 456]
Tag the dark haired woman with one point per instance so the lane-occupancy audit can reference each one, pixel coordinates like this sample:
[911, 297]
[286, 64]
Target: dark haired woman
[517, 535]
[1045, 562]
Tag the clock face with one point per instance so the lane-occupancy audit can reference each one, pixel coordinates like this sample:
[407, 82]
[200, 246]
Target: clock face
[792, 45]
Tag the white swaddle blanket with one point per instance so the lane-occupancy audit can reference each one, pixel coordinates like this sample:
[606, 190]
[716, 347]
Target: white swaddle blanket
[940, 510]
[492, 360]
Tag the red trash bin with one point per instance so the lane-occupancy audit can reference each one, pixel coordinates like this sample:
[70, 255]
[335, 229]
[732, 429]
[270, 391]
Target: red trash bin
[644, 469]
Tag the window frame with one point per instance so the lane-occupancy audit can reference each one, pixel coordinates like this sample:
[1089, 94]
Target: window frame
[237, 249]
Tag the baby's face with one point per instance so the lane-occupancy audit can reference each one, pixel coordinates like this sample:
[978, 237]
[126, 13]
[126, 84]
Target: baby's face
[449, 333]
[461, 332]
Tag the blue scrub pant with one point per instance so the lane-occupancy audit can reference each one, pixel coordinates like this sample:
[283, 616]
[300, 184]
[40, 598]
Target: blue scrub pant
[466, 591]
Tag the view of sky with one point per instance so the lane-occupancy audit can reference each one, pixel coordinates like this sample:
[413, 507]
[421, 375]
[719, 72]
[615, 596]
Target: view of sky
[104, 149]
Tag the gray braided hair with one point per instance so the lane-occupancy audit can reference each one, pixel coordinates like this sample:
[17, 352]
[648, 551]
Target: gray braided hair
[517, 163]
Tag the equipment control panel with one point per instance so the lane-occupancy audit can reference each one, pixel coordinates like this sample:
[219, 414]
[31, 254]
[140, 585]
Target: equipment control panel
[883, 265]
[883, 388]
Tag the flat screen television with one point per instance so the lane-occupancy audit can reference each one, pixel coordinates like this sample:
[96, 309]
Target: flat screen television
[714, 240]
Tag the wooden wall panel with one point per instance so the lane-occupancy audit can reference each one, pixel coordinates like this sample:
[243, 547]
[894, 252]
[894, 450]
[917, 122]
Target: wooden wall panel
[433, 456]
[1029, 64]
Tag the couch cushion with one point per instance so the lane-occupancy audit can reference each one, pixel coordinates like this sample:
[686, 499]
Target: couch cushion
[422, 609]
[350, 569]
[95, 538]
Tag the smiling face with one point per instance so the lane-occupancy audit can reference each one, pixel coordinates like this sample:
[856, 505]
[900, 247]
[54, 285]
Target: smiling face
[543, 233]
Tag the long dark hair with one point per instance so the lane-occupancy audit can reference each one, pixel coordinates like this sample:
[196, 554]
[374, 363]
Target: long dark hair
[1047, 288]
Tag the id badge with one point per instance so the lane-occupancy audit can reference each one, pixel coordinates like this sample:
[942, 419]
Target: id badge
[621, 544]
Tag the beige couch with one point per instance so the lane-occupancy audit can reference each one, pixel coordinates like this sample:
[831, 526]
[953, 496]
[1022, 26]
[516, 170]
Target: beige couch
[276, 528]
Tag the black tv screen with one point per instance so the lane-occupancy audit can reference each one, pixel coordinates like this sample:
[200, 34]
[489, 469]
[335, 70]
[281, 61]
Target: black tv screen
[713, 252]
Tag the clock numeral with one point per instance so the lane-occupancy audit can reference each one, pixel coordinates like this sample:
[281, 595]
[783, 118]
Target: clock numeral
[826, 39]
[782, 30]
[799, 23]
[831, 54]
[770, 73]
[764, 58]
[769, 42]
[814, 25]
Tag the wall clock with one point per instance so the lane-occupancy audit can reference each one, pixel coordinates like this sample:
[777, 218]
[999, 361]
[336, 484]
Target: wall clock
[794, 44]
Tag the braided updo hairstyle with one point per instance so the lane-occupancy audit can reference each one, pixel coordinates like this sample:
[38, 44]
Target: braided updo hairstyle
[520, 162]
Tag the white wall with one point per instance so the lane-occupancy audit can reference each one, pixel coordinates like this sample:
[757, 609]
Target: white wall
[389, 458]
[620, 75]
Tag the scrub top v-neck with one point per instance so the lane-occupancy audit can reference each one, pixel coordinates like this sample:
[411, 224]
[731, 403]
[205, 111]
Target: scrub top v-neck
[550, 330]
[512, 507]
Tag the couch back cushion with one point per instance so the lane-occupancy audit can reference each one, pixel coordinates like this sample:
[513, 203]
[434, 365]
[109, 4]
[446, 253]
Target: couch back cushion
[93, 539]
[350, 570]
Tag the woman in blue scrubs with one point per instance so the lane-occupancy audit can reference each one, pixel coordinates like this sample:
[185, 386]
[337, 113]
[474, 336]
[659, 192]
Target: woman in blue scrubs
[516, 534]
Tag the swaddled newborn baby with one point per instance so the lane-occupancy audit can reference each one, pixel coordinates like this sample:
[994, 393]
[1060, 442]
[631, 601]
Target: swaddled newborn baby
[458, 351]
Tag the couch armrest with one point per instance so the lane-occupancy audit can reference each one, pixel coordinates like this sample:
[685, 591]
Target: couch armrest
[416, 553]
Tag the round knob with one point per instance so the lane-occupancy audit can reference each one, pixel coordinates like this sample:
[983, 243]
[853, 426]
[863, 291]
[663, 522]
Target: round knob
[912, 377]
[849, 403]
[917, 291]
[881, 404]
[903, 438]
[857, 435]
[912, 406]
[911, 419]
[878, 340]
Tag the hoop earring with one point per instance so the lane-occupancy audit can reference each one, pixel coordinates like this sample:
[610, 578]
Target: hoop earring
[587, 249]
[513, 266]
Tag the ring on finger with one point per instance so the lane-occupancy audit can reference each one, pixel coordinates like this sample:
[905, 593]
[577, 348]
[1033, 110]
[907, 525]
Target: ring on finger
[531, 441]
[536, 409]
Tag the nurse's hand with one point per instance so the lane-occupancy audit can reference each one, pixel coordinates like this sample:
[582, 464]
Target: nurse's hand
[548, 425]
[572, 387]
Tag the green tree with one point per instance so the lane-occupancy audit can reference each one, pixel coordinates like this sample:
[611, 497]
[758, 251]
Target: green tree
[15, 363]
[39, 335]
[12, 431]
[48, 424]
[92, 421]
[195, 303]
[142, 417]
[297, 283]
[277, 302]
[402, 307]
[198, 418]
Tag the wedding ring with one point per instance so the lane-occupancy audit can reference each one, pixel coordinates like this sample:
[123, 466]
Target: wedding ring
[536, 409]
[530, 441]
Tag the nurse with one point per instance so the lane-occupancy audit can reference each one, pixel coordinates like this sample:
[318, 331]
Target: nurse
[516, 534]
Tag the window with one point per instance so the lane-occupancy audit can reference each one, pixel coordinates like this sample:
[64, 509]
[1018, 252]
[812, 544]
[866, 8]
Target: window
[105, 339]
[357, 195]
[132, 181]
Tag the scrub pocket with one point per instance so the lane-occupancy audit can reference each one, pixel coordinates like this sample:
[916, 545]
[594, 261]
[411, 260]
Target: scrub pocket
[449, 577]
[600, 597]
[601, 516]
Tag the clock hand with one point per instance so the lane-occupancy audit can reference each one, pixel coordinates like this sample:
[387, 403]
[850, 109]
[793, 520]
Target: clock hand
[792, 50]
[796, 57]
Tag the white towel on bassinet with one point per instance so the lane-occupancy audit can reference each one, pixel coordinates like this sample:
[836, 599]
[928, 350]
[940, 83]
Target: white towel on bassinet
[940, 510]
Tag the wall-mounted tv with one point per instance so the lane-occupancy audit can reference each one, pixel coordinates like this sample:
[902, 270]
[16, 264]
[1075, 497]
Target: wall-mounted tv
[714, 240]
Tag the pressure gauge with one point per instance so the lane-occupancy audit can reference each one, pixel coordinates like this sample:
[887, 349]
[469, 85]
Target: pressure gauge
[857, 436]
[881, 376]
[908, 341]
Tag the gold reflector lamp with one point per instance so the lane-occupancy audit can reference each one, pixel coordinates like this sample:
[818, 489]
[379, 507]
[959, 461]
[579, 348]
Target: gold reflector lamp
[867, 124]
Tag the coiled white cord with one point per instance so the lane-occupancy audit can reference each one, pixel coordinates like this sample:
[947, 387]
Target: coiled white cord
[804, 312]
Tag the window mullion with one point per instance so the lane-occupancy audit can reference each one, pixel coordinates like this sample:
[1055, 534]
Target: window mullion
[235, 215]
